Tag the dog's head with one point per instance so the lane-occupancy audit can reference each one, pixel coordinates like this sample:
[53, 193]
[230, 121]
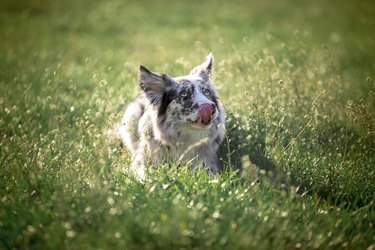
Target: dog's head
[186, 100]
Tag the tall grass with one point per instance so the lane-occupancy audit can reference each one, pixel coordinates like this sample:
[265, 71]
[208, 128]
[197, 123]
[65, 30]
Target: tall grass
[297, 82]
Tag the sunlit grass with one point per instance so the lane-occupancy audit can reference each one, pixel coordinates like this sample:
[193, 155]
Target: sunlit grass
[298, 160]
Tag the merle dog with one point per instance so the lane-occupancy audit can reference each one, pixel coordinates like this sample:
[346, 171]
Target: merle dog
[179, 119]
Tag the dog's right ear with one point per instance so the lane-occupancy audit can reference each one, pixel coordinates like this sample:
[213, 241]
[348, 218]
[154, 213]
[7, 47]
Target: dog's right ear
[205, 69]
[154, 85]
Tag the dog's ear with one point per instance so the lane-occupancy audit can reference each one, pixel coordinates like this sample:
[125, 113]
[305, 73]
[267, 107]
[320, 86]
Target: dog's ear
[205, 69]
[154, 85]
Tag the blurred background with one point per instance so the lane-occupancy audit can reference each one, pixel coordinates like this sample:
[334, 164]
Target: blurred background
[115, 31]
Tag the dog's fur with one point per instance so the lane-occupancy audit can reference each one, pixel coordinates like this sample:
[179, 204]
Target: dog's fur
[178, 119]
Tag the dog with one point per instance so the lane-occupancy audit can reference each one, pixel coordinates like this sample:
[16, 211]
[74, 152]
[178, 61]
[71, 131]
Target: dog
[177, 118]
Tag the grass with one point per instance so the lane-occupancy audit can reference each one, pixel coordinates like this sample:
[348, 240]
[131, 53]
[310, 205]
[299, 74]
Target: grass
[296, 78]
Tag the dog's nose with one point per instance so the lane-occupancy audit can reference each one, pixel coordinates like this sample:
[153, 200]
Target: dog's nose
[206, 112]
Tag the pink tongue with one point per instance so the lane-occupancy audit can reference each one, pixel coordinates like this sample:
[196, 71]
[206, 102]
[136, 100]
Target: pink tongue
[205, 112]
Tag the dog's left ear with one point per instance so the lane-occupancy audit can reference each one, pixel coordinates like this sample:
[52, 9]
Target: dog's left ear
[154, 85]
[205, 69]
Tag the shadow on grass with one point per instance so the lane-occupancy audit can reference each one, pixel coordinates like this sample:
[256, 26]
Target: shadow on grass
[243, 143]
[244, 150]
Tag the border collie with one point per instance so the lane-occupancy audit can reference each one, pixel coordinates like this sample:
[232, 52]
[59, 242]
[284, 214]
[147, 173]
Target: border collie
[176, 119]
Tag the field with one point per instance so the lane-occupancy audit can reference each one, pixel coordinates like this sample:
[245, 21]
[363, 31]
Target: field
[296, 79]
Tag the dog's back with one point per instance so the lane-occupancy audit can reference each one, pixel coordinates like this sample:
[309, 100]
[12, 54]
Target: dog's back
[128, 129]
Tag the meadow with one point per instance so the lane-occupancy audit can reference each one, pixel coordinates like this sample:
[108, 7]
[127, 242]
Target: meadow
[297, 82]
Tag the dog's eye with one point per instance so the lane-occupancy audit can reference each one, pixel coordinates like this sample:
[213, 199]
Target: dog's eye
[183, 93]
[206, 92]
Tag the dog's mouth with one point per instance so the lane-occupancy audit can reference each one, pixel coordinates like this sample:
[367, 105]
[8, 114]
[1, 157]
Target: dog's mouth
[201, 124]
[206, 116]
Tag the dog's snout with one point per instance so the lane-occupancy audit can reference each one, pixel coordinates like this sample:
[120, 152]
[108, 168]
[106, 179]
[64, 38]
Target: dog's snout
[206, 111]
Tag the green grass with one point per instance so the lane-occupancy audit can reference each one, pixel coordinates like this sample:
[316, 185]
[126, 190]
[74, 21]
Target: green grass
[296, 78]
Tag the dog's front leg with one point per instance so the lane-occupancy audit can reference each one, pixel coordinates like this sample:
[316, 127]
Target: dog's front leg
[138, 169]
[138, 165]
[211, 167]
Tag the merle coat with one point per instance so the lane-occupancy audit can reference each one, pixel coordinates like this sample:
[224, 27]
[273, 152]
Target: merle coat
[179, 119]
